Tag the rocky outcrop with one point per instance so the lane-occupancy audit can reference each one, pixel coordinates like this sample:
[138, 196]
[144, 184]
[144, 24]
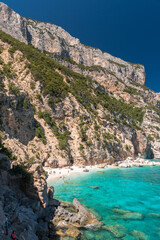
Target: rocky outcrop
[69, 217]
[29, 216]
[141, 145]
[17, 120]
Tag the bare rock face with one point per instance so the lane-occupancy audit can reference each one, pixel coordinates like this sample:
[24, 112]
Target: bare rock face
[84, 217]
[14, 21]
[57, 41]
[39, 190]
[17, 121]
[28, 218]
[141, 145]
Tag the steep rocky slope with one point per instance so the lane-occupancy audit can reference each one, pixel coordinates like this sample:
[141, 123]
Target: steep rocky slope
[63, 103]
[58, 42]
[28, 204]
[71, 104]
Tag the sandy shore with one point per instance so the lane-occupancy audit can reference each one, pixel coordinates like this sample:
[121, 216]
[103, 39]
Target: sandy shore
[57, 173]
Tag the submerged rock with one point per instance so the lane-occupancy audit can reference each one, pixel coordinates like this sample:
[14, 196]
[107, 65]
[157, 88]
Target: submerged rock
[139, 235]
[129, 215]
[120, 211]
[94, 187]
[67, 182]
[155, 215]
[115, 230]
[133, 216]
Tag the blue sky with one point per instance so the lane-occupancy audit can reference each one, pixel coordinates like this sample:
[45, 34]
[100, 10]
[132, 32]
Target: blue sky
[126, 29]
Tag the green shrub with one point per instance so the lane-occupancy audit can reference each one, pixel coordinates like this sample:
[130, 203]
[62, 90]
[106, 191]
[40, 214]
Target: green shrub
[32, 85]
[132, 91]
[26, 103]
[7, 70]
[118, 64]
[108, 136]
[39, 132]
[31, 160]
[34, 108]
[44, 69]
[81, 147]
[96, 127]
[150, 138]
[39, 97]
[61, 136]
[127, 147]
[11, 51]
[1, 60]
[13, 89]
[1, 49]
[21, 170]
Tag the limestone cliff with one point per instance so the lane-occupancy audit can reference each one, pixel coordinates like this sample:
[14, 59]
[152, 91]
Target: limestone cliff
[71, 104]
[63, 103]
[54, 39]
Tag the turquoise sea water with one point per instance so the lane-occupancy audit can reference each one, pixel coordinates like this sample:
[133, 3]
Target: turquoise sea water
[128, 199]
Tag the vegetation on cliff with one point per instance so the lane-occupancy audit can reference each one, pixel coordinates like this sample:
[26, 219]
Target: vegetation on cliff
[44, 69]
[79, 111]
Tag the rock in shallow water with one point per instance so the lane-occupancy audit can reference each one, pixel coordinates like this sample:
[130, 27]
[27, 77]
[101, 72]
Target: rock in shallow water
[133, 216]
[73, 232]
[94, 187]
[115, 230]
[139, 235]
[128, 215]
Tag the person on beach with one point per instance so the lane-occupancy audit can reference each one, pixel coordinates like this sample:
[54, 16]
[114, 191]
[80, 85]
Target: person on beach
[13, 236]
[9, 225]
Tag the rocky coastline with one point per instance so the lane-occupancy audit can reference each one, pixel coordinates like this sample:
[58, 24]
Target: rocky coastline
[66, 109]
[33, 212]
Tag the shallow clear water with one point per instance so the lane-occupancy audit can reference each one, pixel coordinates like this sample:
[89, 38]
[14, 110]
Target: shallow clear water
[133, 189]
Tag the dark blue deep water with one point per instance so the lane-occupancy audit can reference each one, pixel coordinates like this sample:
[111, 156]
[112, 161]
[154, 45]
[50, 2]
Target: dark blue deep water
[128, 199]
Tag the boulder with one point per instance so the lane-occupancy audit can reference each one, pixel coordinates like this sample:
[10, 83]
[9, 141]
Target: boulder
[139, 235]
[84, 217]
[128, 215]
[73, 232]
[54, 202]
[133, 216]
[50, 191]
[28, 235]
[115, 230]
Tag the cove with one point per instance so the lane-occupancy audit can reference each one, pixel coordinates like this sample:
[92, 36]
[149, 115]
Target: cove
[126, 200]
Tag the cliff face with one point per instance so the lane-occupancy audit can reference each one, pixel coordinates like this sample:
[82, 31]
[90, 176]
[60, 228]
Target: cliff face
[54, 39]
[72, 104]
